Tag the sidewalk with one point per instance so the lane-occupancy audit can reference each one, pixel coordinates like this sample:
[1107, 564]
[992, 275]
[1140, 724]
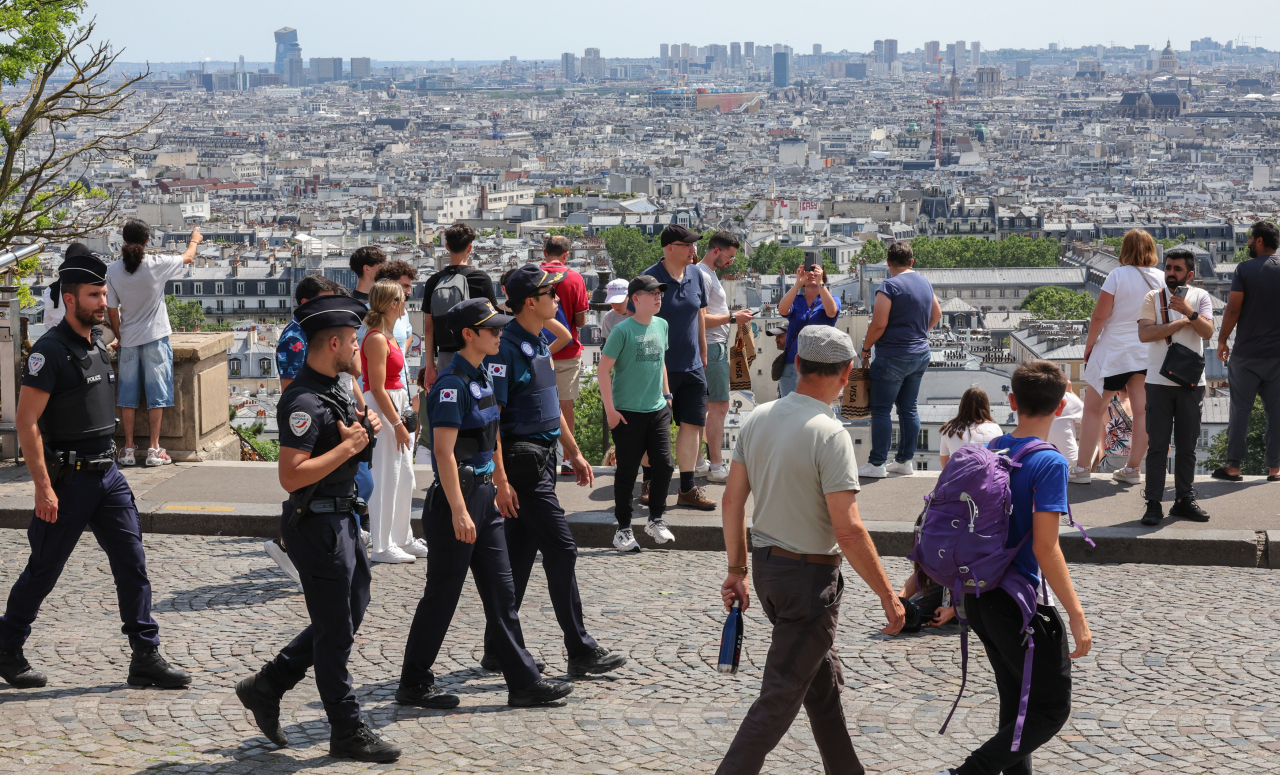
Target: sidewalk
[235, 498]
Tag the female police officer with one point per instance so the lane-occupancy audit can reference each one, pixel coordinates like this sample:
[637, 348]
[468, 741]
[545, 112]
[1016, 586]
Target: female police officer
[67, 409]
[462, 524]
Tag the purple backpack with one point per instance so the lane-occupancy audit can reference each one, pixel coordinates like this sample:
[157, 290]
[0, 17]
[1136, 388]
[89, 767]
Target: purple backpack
[962, 543]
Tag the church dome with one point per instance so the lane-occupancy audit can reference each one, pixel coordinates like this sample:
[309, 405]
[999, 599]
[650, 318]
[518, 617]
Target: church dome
[1168, 49]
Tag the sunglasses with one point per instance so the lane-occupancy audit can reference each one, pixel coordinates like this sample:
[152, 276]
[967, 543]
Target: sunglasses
[654, 294]
[550, 291]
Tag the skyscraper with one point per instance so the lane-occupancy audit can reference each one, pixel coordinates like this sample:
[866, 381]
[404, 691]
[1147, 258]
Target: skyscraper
[749, 50]
[781, 69]
[975, 58]
[568, 69]
[294, 72]
[326, 69]
[817, 49]
[361, 67]
[877, 51]
[286, 46]
[931, 49]
[735, 55]
[592, 65]
[890, 50]
[684, 51]
[961, 50]
[664, 51]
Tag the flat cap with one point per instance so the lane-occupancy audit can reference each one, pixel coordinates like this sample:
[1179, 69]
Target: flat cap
[824, 344]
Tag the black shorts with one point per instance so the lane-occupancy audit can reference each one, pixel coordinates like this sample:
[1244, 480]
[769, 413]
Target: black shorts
[1119, 381]
[689, 397]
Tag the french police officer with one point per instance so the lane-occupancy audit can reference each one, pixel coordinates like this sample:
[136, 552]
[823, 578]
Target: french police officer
[524, 384]
[322, 441]
[462, 523]
[66, 420]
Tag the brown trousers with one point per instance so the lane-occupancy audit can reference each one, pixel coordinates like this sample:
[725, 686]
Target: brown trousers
[802, 601]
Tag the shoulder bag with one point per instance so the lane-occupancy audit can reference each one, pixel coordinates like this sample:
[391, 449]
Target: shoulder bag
[1181, 364]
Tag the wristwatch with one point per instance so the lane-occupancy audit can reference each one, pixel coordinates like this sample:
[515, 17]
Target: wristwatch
[668, 396]
[1195, 314]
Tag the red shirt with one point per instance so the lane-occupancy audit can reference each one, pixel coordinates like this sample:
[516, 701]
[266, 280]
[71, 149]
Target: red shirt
[395, 364]
[572, 293]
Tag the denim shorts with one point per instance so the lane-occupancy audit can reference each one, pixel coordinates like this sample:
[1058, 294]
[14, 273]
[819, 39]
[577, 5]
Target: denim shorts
[146, 367]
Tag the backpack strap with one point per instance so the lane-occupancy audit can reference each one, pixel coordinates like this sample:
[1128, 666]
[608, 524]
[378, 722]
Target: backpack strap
[964, 668]
[1026, 687]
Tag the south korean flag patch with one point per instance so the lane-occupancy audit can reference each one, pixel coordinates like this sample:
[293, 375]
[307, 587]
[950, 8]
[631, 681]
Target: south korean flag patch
[449, 395]
[35, 363]
[299, 423]
[498, 370]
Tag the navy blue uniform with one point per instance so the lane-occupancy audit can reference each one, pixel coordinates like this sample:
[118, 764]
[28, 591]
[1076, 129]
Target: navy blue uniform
[524, 384]
[80, 418]
[326, 549]
[462, 398]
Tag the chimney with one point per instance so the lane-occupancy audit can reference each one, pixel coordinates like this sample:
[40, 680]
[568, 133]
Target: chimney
[484, 199]
[235, 268]
[252, 337]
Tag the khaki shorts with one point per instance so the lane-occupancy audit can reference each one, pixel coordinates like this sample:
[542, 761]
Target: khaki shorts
[567, 373]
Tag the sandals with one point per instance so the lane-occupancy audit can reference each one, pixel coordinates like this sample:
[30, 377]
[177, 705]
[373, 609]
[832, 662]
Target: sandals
[1221, 473]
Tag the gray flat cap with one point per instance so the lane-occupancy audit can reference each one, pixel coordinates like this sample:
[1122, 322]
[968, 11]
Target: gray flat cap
[824, 344]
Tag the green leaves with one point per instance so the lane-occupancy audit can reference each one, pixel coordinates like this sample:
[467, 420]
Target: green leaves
[1255, 457]
[874, 251]
[588, 423]
[979, 253]
[34, 32]
[1053, 302]
[184, 315]
[630, 252]
[572, 231]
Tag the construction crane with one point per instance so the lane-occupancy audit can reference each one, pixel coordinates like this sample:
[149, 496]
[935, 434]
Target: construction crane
[494, 118]
[937, 128]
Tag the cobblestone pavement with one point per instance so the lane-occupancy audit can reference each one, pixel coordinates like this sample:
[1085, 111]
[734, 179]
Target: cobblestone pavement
[1182, 679]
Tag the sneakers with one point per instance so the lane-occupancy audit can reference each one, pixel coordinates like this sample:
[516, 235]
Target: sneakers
[149, 668]
[701, 467]
[1127, 475]
[276, 551]
[1153, 514]
[900, 469]
[417, 547]
[625, 541]
[566, 469]
[429, 696]
[719, 473]
[540, 693]
[644, 493]
[1080, 475]
[490, 662]
[126, 457]
[868, 471]
[18, 672]
[263, 701]
[157, 457]
[598, 661]
[393, 554]
[694, 499]
[659, 532]
[1187, 508]
[360, 743]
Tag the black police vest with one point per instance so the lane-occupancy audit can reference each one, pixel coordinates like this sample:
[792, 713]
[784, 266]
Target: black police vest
[478, 433]
[536, 407]
[88, 410]
[339, 403]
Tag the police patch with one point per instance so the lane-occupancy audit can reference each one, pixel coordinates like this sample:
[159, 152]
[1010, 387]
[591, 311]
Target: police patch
[299, 423]
[526, 348]
[475, 390]
[450, 395]
[35, 363]
[497, 370]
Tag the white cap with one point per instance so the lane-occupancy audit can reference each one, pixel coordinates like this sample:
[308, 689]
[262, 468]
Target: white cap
[617, 290]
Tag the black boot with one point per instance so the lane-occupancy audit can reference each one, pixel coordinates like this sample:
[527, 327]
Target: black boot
[149, 668]
[428, 696]
[1153, 514]
[490, 662]
[598, 661]
[1187, 508]
[18, 672]
[539, 693]
[360, 743]
[262, 699]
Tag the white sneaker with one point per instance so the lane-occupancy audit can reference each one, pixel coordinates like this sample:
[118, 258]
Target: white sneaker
[158, 457]
[625, 541]
[394, 554]
[868, 471]
[275, 550]
[701, 467]
[126, 457]
[900, 469]
[719, 473]
[1127, 475]
[1080, 475]
[417, 547]
[659, 532]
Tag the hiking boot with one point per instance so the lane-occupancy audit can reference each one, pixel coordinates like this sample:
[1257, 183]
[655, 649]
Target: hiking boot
[644, 493]
[360, 743]
[1187, 508]
[695, 499]
[598, 661]
[149, 668]
[540, 693]
[18, 672]
[490, 662]
[1153, 514]
[262, 699]
[428, 696]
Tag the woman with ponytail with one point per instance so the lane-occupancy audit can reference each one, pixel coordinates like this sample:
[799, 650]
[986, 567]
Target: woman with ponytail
[140, 320]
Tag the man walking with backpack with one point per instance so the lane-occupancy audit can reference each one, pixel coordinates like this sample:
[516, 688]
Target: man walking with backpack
[455, 283]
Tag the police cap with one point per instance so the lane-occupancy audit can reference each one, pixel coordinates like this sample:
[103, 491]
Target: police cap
[474, 313]
[329, 312]
[84, 268]
[525, 281]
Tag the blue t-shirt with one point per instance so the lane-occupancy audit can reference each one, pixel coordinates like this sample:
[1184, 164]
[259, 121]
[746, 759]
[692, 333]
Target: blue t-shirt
[912, 303]
[803, 315]
[1039, 485]
[291, 351]
[680, 305]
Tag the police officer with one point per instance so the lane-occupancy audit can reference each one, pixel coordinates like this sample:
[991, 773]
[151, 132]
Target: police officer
[66, 420]
[322, 441]
[462, 523]
[524, 384]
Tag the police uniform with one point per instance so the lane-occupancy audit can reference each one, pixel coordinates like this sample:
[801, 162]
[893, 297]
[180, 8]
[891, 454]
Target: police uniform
[76, 429]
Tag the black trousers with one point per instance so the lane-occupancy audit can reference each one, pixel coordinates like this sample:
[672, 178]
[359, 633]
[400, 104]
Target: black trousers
[102, 502]
[541, 527]
[330, 558]
[996, 620]
[642, 432]
[1172, 412]
[448, 560]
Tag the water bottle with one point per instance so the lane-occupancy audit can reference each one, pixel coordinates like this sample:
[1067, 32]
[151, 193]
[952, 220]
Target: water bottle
[731, 641]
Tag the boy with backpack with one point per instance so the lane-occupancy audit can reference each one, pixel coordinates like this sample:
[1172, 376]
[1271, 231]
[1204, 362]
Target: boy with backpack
[972, 544]
[456, 283]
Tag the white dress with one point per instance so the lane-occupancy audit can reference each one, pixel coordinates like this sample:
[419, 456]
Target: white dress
[1062, 434]
[1118, 350]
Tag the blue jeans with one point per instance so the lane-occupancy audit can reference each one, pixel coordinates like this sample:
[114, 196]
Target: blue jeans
[788, 381]
[146, 367]
[895, 381]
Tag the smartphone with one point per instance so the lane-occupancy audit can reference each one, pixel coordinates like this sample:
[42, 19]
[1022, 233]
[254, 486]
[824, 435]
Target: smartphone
[809, 264]
[1181, 290]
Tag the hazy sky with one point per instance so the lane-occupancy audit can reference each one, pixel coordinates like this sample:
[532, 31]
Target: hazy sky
[168, 31]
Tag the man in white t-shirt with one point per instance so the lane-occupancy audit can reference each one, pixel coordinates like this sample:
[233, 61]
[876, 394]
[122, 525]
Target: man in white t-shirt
[1173, 410]
[721, 249]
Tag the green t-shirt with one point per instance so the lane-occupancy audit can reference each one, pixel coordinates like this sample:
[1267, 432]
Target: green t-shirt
[640, 352]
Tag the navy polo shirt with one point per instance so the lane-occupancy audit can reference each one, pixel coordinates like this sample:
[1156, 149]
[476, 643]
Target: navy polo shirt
[680, 306]
[450, 399]
[509, 369]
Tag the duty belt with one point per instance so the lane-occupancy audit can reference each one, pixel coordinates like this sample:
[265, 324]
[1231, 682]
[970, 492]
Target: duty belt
[73, 462]
[336, 505]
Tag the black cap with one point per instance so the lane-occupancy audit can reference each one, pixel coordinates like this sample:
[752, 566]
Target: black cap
[76, 249]
[525, 281]
[86, 268]
[329, 312]
[677, 233]
[645, 282]
[777, 329]
[474, 313]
